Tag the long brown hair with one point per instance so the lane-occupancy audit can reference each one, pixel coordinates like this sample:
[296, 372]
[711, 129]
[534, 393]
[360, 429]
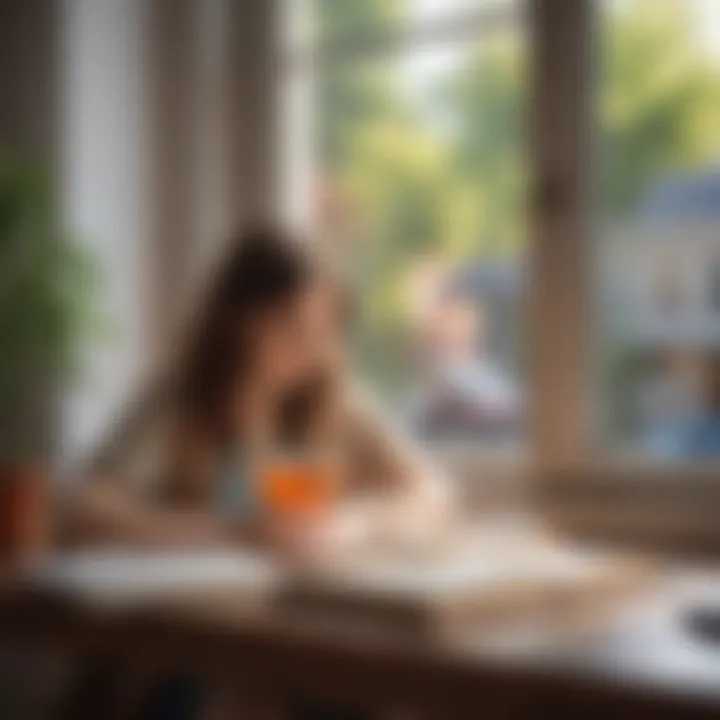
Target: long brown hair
[265, 269]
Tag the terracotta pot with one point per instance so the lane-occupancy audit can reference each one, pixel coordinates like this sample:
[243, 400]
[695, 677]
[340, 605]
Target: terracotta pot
[22, 512]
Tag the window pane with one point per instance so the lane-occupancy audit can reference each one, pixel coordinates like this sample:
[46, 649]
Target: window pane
[660, 200]
[417, 185]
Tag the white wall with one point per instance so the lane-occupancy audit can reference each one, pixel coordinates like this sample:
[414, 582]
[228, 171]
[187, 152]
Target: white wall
[103, 170]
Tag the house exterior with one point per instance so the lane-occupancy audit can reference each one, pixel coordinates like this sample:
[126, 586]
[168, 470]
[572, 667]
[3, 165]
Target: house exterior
[660, 310]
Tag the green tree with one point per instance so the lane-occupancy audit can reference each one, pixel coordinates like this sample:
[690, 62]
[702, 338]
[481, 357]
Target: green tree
[349, 93]
[487, 98]
[659, 99]
[342, 21]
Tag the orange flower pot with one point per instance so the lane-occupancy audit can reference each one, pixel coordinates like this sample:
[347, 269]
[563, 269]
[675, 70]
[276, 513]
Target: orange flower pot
[22, 513]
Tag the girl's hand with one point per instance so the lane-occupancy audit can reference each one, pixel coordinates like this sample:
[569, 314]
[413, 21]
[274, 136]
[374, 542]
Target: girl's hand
[318, 539]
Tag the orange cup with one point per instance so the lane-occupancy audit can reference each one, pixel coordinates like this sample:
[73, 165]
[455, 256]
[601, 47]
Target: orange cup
[297, 486]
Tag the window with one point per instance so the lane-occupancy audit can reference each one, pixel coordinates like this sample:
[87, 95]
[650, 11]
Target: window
[419, 172]
[407, 152]
[660, 209]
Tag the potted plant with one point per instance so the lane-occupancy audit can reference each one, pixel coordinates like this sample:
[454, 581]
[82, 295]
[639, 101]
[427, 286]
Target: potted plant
[46, 282]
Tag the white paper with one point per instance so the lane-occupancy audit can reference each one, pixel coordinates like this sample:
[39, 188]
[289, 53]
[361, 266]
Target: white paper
[125, 575]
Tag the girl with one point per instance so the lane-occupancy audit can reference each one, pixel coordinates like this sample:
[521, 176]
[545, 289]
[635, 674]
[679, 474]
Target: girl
[265, 374]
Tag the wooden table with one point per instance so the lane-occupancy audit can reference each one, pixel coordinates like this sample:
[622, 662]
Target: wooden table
[640, 663]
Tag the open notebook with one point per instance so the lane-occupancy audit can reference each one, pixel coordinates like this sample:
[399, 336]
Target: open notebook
[479, 581]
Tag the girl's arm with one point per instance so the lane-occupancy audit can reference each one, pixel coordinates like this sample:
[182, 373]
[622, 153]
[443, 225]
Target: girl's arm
[178, 514]
[109, 508]
[400, 494]
[104, 512]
